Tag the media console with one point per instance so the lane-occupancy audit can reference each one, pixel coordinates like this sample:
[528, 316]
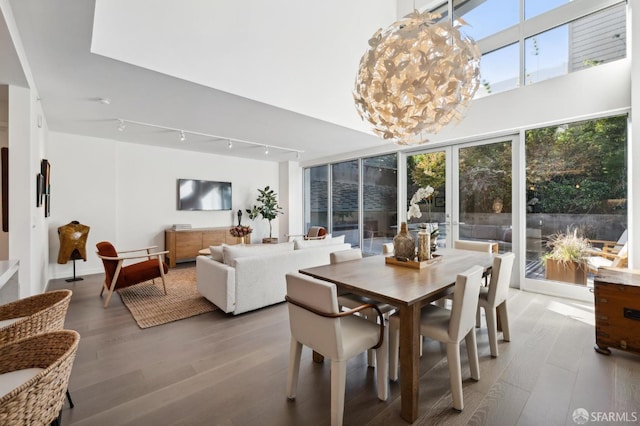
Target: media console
[185, 243]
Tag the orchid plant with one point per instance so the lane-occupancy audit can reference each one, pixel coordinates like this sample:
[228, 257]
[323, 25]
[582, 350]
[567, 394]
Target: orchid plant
[422, 194]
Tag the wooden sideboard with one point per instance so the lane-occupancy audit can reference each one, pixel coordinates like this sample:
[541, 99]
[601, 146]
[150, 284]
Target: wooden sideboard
[185, 243]
[617, 310]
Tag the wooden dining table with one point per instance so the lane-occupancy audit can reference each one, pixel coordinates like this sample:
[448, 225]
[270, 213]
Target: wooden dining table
[408, 289]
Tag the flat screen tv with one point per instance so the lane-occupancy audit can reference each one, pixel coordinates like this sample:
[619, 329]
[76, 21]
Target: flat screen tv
[203, 195]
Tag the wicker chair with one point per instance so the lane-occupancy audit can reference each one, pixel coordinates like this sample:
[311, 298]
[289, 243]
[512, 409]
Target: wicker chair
[38, 399]
[33, 315]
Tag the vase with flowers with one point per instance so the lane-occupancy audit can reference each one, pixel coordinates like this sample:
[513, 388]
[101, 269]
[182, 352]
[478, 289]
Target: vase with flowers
[428, 234]
[242, 233]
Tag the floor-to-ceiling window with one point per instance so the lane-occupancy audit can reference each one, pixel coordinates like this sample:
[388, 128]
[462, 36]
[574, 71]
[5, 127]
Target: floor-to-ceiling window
[428, 169]
[379, 201]
[316, 197]
[345, 200]
[485, 190]
[576, 183]
[472, 197]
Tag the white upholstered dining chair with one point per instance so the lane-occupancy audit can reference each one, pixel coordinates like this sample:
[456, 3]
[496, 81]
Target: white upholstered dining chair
[387, 248]
[351, 301]
[481, 246]
[494, 298]
[316, 322]
[450, 327]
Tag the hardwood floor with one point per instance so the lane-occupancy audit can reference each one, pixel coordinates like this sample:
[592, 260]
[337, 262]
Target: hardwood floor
[218, 369]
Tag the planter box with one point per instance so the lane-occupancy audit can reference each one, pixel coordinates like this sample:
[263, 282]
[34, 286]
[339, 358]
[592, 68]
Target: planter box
[568, 272]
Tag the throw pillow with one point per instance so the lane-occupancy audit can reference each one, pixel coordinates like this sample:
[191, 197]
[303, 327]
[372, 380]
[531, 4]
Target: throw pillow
[303, 244]
[231, 253]
[216, 252]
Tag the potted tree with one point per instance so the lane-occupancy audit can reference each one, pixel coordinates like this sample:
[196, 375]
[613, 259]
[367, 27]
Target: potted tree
[268, 208]
[567, 260]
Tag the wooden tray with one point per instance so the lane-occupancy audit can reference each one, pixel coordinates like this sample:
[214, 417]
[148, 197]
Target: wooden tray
[391, 260]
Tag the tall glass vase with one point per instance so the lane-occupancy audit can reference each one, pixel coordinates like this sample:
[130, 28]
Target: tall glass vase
[404, 245]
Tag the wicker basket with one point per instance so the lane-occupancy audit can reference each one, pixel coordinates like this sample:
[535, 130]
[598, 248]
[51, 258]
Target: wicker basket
[43, 312]
[39, 400]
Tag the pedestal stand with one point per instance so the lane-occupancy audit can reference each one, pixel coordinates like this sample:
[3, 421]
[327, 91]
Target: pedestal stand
[74, 274]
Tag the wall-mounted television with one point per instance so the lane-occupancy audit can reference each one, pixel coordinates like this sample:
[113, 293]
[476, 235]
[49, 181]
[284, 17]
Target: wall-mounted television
[203, 195]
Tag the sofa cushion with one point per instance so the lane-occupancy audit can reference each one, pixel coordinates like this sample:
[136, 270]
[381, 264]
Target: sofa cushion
[216, 252]
[303, 244]
[230, 253]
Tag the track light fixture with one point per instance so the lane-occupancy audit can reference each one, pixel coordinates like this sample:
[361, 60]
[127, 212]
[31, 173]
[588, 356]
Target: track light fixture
[212, 138]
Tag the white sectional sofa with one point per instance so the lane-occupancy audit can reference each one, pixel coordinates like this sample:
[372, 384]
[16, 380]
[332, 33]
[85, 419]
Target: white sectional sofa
[239, 279]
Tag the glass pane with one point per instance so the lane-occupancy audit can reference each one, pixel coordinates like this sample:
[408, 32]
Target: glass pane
[583, 43]
[576, 182]
[598, 38]
[428, 170]
[379, 201]
[316, 197]
[499, 70]
[486, 17]
[485, 194]
[536, 7]
[545, 55]
[344, 198]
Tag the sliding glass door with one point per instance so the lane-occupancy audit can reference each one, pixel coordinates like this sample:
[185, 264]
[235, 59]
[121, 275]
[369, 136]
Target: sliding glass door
[576, 186]
[472, 197]
[345, 201]
[379, 202]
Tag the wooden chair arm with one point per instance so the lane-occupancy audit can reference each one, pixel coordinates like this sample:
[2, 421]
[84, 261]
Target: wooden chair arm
[603, 242]
[344, 314]
[140, 249]
[605, 254]
[132, 257]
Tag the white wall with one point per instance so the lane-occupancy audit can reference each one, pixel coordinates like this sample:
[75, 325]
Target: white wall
[250, 48]
[291, 197]
[126, 193]
[27, 225]
[634, 151]
[4, 142]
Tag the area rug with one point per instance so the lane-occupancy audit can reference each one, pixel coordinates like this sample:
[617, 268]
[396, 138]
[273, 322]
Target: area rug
[150, 306]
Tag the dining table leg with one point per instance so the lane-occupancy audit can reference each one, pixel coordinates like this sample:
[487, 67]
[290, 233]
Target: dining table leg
[409, 361]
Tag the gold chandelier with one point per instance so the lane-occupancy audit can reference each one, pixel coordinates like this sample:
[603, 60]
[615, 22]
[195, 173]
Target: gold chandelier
[416, 76]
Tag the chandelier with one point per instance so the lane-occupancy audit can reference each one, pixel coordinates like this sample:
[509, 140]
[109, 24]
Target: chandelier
[416, 76]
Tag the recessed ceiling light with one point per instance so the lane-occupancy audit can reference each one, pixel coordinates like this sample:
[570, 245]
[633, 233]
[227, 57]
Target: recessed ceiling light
[105, 101]
[266, 150]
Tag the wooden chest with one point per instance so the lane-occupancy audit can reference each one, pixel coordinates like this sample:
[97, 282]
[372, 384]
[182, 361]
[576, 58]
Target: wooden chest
[617, 310]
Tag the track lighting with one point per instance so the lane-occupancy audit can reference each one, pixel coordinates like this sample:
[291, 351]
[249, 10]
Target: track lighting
[122, 122]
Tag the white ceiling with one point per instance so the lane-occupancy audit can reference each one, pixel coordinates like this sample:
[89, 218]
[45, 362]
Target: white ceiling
[277, 73]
